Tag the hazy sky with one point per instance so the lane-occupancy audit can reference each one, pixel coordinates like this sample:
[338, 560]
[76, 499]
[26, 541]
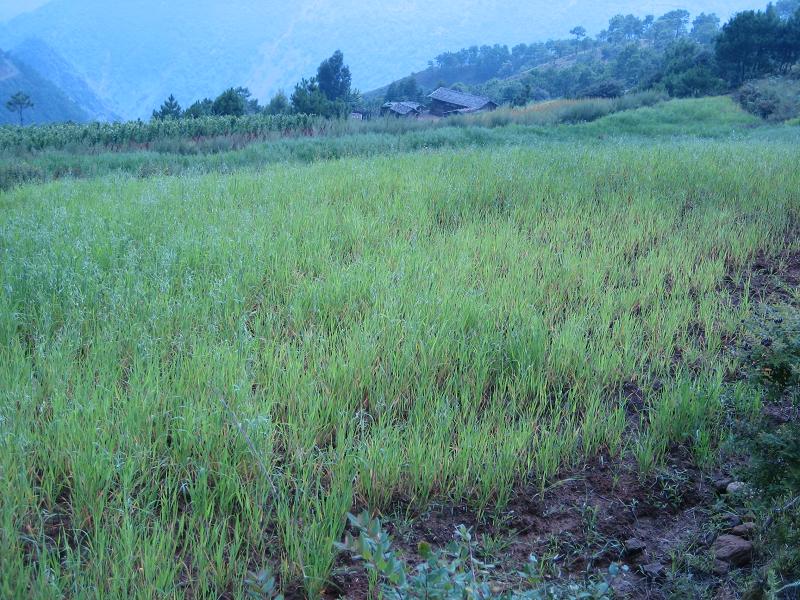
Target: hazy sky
[11, 8]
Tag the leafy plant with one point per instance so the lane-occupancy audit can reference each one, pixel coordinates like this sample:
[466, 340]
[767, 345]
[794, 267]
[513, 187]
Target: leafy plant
[772, 348]
[453, 572]
[262, 586]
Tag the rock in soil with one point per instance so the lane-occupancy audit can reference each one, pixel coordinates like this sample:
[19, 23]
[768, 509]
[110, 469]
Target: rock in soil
[721, 568]
[653, 570]
[745, 530]
[634, 547]
[733, 520]
[736, 487]
[721, 485]
[733, 550]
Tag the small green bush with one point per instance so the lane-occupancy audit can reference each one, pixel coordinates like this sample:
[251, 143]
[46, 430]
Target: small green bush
[608, 88]
[772, 348]
[587, 111]
[775, 99]
[776, 461]
[453, 572]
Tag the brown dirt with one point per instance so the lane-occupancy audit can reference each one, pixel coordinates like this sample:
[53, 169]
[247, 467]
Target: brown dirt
[555, 522]
[772, 278]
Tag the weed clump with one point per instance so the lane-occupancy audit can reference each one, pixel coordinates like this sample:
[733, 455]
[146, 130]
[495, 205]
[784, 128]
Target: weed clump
[455, 571]
[772, 349]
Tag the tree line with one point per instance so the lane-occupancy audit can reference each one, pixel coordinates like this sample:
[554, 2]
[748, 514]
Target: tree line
[328, 94]
[672, 53]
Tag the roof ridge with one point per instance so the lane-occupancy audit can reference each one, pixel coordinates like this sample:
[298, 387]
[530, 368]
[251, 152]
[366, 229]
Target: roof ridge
[459, 98]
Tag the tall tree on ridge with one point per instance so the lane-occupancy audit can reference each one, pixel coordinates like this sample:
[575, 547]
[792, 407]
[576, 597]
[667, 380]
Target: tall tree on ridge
[229, 103]
[333, 77]
[169, 110]
[19, 103]
[705, 28]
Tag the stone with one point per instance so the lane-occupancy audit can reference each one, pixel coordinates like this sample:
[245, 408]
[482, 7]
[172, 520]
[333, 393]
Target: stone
[736, 487]
[653, 570]
[733, 550]
[733, 520]
[634, 547]
[745, 530]
[721, 568]
[721, 484]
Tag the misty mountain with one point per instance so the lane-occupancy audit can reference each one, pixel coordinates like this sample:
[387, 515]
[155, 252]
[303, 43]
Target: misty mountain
[51, 105]
[132, 55]
[50, 65]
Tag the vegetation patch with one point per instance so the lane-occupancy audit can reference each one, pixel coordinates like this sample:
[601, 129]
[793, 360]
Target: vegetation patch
[776, 99]
[460, 328]
[641, 116]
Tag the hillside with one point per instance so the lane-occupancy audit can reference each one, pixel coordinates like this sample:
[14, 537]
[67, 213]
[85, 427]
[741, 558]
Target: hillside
[50, 65]
[147, 50]
[51, 105]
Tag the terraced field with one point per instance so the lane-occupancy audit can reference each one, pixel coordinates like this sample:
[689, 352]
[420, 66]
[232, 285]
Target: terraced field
[201, 375]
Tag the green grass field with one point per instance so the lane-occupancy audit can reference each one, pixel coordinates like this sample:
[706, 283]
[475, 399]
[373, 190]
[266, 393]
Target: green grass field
[388, 331]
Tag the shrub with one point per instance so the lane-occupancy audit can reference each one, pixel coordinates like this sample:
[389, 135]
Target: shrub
[774, 99]
[608, 88]
[639, 100]
[454, 572]
[776, 461]
[772, 347]
[586, 111]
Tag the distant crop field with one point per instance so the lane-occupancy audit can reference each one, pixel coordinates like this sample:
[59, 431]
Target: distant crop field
[202, 375]
[217, 144]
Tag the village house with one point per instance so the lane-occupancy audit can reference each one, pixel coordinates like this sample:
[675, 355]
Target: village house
[446, 102]
[401, 109]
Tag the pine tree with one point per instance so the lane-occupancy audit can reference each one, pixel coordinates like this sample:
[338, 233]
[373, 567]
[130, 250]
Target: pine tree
[229, 103]
[169, 110]
[19, 103]
[278, 105]
[333, 77]
[200, 108]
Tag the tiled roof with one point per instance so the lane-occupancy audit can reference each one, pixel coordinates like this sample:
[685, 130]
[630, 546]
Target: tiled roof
[402, 108]
[460, 98]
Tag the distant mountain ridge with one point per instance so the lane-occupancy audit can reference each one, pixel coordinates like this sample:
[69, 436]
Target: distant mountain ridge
[50, 65]
[51, 105]
[132, 55]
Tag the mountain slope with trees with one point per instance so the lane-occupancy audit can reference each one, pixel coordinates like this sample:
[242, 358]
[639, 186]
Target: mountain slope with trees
[146, 50]
[677, 53]
[50, 65]
[50, 104]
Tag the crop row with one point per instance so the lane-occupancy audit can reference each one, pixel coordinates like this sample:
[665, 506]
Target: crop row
[119, 135]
